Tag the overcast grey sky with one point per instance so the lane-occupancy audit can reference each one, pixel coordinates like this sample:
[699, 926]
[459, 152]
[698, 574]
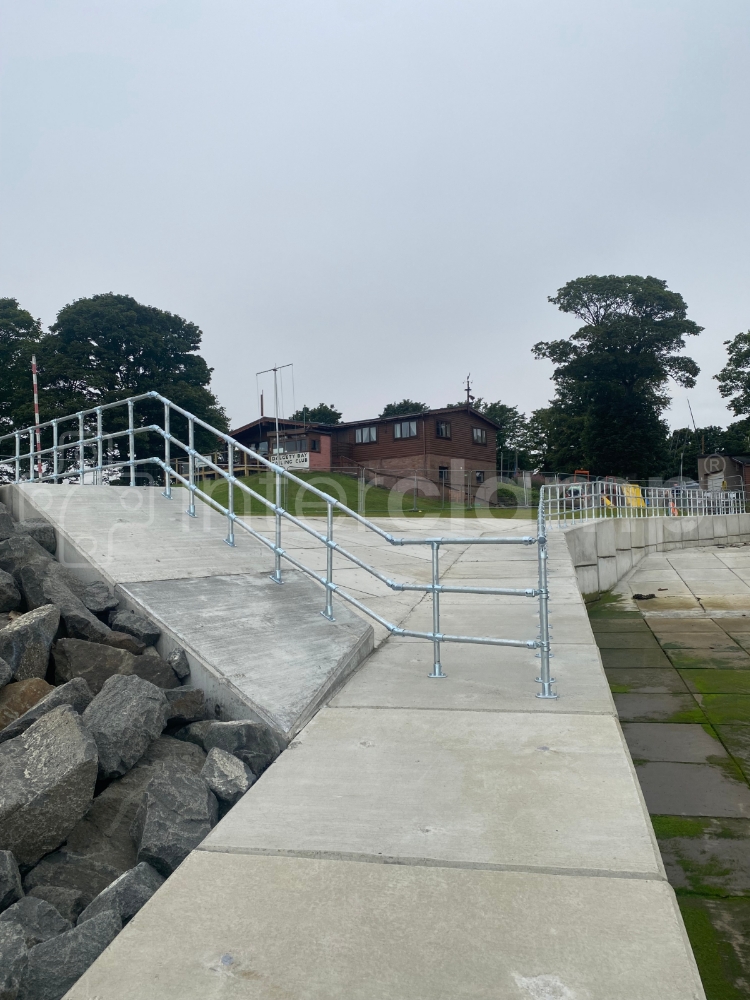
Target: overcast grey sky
[384, 192]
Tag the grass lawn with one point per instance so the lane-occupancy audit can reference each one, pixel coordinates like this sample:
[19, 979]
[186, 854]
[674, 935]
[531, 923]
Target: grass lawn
[378, 502]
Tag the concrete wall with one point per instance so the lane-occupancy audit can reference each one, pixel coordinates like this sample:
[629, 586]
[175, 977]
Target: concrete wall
[604, 551]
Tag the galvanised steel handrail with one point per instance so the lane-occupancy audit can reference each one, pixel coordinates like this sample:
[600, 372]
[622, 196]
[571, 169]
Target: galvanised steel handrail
[435, 588]
[570, 504]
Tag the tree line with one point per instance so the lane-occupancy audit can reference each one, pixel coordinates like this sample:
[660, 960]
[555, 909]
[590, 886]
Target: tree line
[611, 378]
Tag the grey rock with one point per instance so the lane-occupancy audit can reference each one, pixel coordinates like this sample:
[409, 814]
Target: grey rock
[79, 622]
[137, 625]
[13, 960]
[121, 640]
[254, 743]
[25, 643]
[47, 777]
[69, 903]
[226, 776]
[103, 835]
[86, 876]
[75, 693]
[127, 894]
[7, 524]
[178, 661]
[96, 662]
[22, 550]
[126, 715]
[176, 813]
[10, 880]
[185, 705]
[10, 595]
[38, 919]
[55, 965]
[41, 531]
[6, 673]
[31, 582]
[97, 598]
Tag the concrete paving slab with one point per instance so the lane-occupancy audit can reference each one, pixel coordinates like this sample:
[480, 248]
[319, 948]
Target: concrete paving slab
[685, 626]
[706, 855]
[409, 786]
[605, 626]
[707, 659]
[693, 790]
[481, 678]
[726, 709]
[641, 680]
[717, 681]
[658, 708]
[326, 930]
[635, 658]
[697, 641]
[625, 640]
[678, 743]
[737, 741]
[720, 929]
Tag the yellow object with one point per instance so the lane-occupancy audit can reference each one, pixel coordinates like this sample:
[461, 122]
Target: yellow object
[633, 495]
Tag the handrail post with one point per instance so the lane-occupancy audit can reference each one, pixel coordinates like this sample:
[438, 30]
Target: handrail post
[328, 613]
[230, 498]
[544, 651]
[55, 460]
[276, 577]
[18, 456]
[81, 455]
[167, 455]
[191, 467]
[131, 443]
[99, 447]
[31, 456]
[437, 667]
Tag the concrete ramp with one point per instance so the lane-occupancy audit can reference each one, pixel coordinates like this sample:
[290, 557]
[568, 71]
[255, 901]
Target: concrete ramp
[431, 840]
[257, 649]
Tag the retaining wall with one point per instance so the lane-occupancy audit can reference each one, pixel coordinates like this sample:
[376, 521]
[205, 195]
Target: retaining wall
[604, 551]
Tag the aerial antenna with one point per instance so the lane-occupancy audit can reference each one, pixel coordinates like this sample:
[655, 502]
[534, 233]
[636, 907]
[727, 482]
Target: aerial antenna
[692, 417]
[469, 397]
[275, 369]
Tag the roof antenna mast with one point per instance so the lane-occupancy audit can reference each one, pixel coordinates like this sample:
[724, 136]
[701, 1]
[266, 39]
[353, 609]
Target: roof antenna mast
[469, 397]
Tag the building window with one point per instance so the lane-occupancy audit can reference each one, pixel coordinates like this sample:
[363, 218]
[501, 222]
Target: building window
[405, 429]
[443, 473]
[314, 444]
[479, 435]
[443, 428]
[479, 477]
[366, 435]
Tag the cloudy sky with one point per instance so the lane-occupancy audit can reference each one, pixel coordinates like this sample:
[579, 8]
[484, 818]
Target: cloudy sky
[383, 192]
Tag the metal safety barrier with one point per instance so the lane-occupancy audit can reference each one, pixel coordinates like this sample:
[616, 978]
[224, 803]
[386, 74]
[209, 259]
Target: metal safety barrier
[81, 454]
[570, 504]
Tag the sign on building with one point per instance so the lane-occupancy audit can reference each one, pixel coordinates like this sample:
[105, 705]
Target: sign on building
[293, 460]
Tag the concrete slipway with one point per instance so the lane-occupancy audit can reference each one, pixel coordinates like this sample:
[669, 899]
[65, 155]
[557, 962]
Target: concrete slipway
[418, 839]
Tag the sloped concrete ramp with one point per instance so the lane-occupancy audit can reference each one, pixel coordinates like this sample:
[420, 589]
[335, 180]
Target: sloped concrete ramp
[430, 840]
[257, 649]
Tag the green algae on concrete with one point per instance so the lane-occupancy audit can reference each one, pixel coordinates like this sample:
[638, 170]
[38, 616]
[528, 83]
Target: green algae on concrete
[642, 680]
[658, 708]
[705, 659]
[629, 625]
[737, 741]
[726, 709]
[705, 855]
[717, 681]
[699, 641]
[635, 658]
[719, 930]
[609, 605]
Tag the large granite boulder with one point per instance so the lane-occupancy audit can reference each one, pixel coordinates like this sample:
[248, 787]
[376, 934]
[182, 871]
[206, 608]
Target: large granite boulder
[7, 524]
[127, 894]
[75, 693]
[22, 550]
[136, 625]
[186, 705]
[69, 903]
[121, 640]
[38, 919]
[178, 661]
[25, 643]
[6, 673]
[47, 779]
[64, 869]
[96, 662]
[227, 776]
[79, 622]
[13, 960]
[176, 813]
[17, 699]
[10, 881]
[97, 598]
[10, 595]
[55, 965]
[41, 531]
[254, 743]
[126, 715]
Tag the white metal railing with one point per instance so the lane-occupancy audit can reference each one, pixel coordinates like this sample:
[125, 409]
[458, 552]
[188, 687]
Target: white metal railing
[569, 504]
[81, 453]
